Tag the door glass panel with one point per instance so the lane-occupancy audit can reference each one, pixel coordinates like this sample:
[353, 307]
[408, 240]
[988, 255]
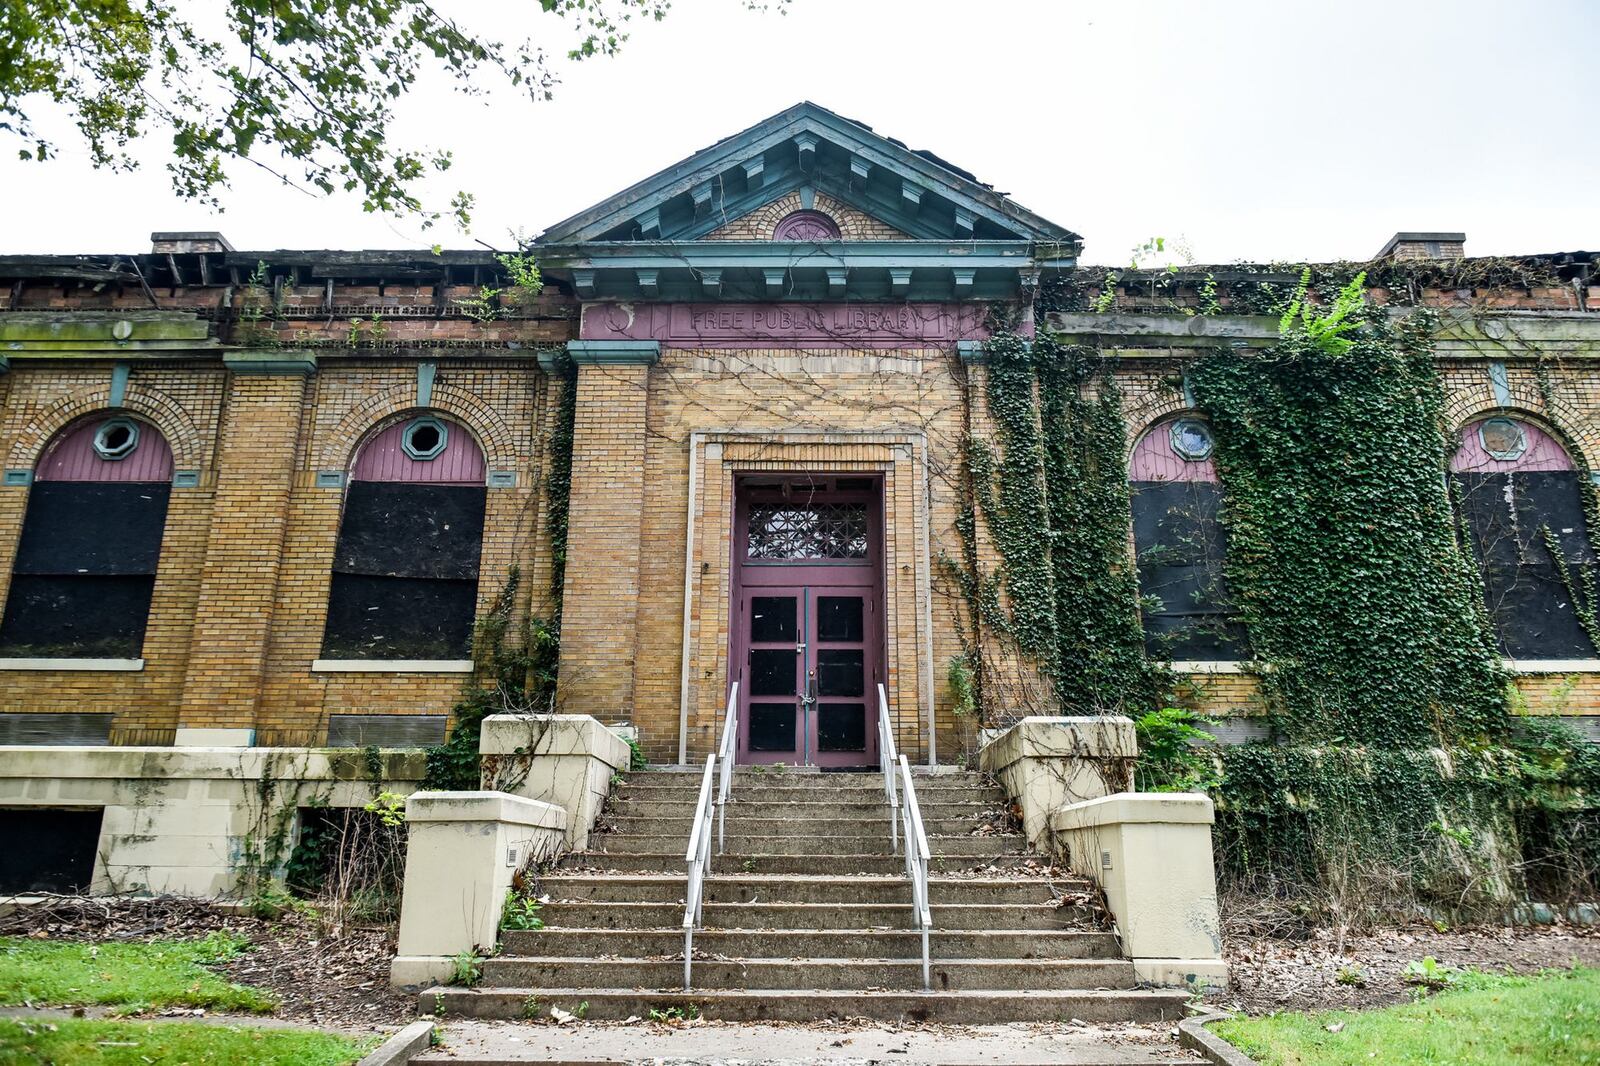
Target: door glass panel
[772, 619]
[772, 727]
[840, 672]
[841, 727]
[772, 672]
[839, 619]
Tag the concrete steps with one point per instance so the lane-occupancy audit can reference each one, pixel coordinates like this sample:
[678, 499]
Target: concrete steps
[795, 888]
[810, 1005]
[808, 916]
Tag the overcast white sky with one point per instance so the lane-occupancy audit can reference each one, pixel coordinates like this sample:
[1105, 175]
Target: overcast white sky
[1261, 130]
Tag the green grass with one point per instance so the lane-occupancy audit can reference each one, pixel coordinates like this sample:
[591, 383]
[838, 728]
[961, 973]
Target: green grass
[1551, 1018]
[55, 973]
[84, 1043]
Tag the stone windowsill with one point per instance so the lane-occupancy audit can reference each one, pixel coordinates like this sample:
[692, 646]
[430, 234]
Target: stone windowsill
[1206, 666]
[1552, 666]
[391, 666]
[116, 665]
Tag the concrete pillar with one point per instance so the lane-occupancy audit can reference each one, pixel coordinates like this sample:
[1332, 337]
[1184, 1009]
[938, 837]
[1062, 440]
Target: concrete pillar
[244, 548]
[1047, 763]
[598, 638]
[462, 852]
[1151, 852]
[564, 759]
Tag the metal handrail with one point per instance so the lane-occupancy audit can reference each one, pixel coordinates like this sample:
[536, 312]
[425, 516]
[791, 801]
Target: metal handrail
[905, 816]
[886, 763]
[696, 861]
[730, 736]
[916, 864]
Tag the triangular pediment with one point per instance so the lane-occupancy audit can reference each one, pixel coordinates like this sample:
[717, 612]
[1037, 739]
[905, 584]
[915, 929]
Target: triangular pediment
[808, 158]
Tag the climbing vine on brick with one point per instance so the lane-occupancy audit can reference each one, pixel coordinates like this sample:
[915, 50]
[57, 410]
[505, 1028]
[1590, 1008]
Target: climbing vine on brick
[1051, 489]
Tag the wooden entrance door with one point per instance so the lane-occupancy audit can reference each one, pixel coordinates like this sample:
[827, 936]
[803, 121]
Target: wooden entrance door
[807, 635]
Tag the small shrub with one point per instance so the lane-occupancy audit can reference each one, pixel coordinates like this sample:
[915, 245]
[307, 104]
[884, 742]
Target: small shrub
[466, 969]
[636, 756]
[1170, 756]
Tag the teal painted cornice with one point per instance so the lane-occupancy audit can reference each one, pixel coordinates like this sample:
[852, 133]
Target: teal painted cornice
[809, 146]
[269, 361]
[614, 353]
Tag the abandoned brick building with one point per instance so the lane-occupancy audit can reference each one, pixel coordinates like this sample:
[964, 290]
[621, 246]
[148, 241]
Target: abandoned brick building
[259, 499]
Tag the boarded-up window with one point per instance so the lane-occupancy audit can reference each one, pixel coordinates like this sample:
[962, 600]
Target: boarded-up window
[405, 571]
[1181, 545]
[1520, 498]
[85, 568]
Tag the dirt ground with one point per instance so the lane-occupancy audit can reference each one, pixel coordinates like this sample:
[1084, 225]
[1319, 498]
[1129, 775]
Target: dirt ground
[326, 982]
[1317, 972]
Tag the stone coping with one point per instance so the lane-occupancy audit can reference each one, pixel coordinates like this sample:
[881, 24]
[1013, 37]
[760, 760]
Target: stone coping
[422, 807]
[1132, 808]
[557, 734]
[1040, 737]
[233, 763]
[1193, 1034]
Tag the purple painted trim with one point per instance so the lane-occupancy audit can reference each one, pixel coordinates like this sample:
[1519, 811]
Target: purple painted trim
[1154, 460]
[709, 325]
[1543, 452]
[71, 456]
[383, 458]
[806, 226]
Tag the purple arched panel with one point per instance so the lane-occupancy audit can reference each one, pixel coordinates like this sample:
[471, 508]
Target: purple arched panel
[383, 458]
[1542, 452]
[806, 226]
[71, 456]
[1154, 460]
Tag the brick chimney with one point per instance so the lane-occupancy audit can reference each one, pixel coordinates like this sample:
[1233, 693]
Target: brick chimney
[1425, 246]
[188, 241]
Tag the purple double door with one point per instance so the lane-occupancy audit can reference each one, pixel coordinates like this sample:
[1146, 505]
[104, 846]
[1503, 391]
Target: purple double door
[807, 618]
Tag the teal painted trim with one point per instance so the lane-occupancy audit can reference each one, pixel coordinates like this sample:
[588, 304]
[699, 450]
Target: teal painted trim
[855, 140]
[5, 364]
[614, 353]
[502, 479]
[330, 479]
[269, 362]
[18, 477]
[185, 479]
[1500, 383]
[972, 353]
[667, 255]
[425, 375]
[119, 385]
[552, 362]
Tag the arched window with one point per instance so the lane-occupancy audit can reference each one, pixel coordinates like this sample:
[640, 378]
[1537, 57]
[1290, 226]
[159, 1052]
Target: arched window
[1180, 545]
[405, 571]
[86, 562]
[1520, 498]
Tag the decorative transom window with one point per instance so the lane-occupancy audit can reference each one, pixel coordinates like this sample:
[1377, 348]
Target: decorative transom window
[116, 439]
[806, 226]
[1502, 438]
[1191, 440]
[425, 438]
[820, 531]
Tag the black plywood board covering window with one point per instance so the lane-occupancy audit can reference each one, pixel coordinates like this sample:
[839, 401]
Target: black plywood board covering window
[395, 529]
[399, 618]
[405, 572]
[1181, 547]
[47, 849]
[85, 570]
[92, 617]
[1507, 516]
[93, 527]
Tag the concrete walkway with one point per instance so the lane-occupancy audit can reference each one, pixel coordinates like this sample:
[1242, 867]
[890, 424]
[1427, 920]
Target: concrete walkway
[590, 1043]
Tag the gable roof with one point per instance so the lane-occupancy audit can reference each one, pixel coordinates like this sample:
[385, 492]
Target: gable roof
[808, 147]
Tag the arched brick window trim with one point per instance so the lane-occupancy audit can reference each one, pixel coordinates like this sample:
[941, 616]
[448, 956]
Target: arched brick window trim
[1520, 494]
[405, 569]
[85, 568]
[1180, 544]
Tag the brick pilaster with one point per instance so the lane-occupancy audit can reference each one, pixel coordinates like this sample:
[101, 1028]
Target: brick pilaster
[245, 545]
[599, 607]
